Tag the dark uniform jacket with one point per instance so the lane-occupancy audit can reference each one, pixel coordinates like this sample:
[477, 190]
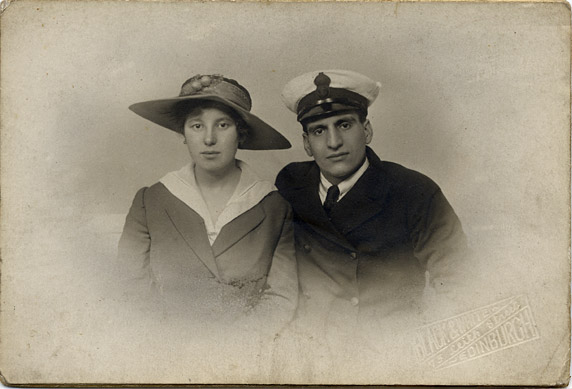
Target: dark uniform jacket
[390, 236]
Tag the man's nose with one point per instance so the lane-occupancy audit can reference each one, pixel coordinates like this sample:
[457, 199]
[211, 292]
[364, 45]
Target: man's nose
[210, 136]
[334, 138]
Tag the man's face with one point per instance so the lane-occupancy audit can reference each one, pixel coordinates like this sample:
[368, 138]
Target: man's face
[337, 144]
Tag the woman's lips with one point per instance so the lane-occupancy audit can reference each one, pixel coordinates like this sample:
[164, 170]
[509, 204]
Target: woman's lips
[210, 154]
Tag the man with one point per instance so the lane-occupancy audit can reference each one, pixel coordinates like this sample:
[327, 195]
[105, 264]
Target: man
[372, 237]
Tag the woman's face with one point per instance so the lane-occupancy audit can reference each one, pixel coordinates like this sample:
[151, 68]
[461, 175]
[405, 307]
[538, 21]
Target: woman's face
[212, 140]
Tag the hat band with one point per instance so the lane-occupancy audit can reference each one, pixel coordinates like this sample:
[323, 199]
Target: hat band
[330, 106]
[221, 89]
[341, 96]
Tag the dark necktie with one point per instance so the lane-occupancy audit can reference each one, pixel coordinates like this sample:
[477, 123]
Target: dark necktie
[331, 198]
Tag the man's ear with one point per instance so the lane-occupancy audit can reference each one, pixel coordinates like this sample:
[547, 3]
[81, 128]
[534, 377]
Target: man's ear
[307, 146]
[368, 131]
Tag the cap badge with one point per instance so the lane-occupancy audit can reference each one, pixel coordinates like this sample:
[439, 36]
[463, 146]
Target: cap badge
[322, 83]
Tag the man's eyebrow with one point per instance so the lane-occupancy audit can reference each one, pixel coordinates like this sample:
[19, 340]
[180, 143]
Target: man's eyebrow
[345, 119]
[315, 126]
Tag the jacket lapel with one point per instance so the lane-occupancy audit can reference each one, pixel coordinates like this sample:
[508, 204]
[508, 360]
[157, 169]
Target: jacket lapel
[308, 207]
[237, 229]
[192, 228]
[368, 195]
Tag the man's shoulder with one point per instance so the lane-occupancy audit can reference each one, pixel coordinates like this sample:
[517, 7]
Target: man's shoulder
[397, 176]
[400, 175]
[295, 168]
[293, 174]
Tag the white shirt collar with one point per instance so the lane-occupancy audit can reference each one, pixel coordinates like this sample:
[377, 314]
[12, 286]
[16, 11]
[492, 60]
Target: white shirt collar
[249, 191]
[344, 186]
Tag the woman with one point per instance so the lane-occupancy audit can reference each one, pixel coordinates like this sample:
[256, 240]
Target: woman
[213, 242]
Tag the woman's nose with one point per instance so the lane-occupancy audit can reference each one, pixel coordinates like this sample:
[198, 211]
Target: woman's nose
[334, 139]
[210, 136]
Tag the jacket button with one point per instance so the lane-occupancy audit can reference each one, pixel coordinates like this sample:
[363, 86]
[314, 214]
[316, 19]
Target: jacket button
[354, 301]
[307, 248]
[353, 255]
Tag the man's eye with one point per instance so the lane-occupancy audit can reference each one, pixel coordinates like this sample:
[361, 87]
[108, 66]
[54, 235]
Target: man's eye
[345, 126]
[318, 131]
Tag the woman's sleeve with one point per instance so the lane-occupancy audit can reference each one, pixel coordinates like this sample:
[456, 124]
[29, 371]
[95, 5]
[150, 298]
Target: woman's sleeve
[133, 251]
[279, 298]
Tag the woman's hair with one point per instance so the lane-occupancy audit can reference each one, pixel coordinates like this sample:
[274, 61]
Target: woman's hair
[184, 109]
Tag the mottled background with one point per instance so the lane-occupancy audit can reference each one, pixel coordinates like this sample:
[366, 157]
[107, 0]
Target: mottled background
[476, 96]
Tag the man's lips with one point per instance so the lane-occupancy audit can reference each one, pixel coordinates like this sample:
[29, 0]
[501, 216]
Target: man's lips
[337, 156]
[210, 152]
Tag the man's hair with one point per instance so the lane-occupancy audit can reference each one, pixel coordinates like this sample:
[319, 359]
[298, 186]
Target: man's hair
[184, 109]
[362, 116]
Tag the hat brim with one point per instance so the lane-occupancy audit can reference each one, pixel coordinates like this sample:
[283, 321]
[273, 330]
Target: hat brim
[261, 136]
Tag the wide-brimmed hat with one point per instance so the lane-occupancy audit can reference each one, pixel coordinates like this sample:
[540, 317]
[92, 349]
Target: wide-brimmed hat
[261, 136]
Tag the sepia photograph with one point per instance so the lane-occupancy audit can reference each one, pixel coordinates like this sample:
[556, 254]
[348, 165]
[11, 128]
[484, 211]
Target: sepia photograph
[286, 193]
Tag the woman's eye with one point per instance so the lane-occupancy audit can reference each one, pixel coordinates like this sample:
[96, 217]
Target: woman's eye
[196, 126]
[224, 125]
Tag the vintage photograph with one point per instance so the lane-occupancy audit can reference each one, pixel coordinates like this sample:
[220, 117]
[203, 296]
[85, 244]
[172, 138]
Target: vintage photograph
[367, 193]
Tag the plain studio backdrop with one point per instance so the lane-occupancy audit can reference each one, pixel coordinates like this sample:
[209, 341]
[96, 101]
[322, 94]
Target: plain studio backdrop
[476, 96]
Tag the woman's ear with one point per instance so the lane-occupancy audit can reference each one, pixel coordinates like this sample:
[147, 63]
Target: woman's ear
[242, 135]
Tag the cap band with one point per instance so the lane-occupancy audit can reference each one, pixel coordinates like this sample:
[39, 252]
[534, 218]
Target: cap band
[339, 99]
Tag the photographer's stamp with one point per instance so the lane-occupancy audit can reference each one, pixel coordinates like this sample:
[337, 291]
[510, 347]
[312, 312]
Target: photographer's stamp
[476, 333]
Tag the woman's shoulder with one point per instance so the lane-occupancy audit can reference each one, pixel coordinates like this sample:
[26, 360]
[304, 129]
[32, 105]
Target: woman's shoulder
[155, 192]
[276, 202]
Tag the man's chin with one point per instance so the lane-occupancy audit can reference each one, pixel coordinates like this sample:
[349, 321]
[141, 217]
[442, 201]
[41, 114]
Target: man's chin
[336, 176]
